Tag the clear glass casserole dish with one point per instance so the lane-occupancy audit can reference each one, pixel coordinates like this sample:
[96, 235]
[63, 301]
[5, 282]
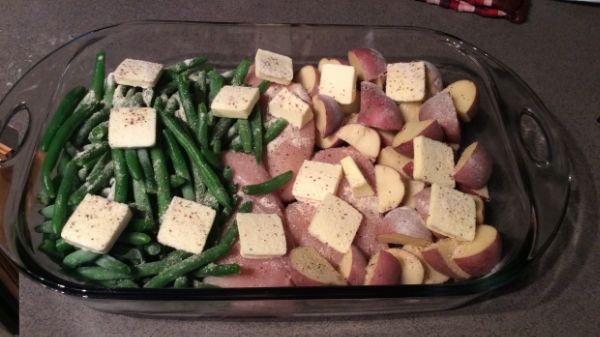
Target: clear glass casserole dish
[530, 185]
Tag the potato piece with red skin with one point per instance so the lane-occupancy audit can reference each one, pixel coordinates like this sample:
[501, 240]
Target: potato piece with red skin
[433, 78]
[377, 110]
[432, 276]
[309, 268]
[383, 269]
[403, 142]
[439, 256]
[391, 158]
[483, 192]
[409, 111]
[474, 167]
[309, 76]
[328, 115]
[413, 187]
[403, 226]
[413, 271]
[329, 60]
[354, 266]
[422, 202]
[481, 255]
[441, 108]
[369, 63]
[251, 79]
[362, 138]
[465, 97]
[390, 188]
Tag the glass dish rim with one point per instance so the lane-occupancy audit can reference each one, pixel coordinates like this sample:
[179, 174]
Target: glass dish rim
[469, 287]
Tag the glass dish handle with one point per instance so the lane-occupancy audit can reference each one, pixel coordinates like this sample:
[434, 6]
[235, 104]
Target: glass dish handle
[541, 154]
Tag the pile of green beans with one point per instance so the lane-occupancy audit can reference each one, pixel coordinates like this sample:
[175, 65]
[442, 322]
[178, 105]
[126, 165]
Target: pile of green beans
[184, 162]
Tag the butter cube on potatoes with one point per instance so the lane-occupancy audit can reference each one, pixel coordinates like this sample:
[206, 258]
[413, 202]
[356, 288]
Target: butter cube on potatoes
[315, 180]
[406, 81]
[185, 225]
[339, 82]
[96, 224]
[359, 185]
[290, 107]
[451, 213]
[433, 162]
[132, 127]
[335, 223]
[138, 73]
[261, 235]
[273, 67]
[234, 101]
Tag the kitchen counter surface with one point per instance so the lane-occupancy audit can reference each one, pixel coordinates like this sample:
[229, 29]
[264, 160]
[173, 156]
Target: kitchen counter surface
[557, 52]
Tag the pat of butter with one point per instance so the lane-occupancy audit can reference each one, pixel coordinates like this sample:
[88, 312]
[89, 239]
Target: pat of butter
[315, 180]
[451, 213]
[132, 127]
[96, 224]
[359, 185]
[433, 162]
[290, 107]
[234, 101]
[406, 81]
[138, 73]
[273, 67]
[261, 235]
[185, 225]
[335, 223]
[339, 82]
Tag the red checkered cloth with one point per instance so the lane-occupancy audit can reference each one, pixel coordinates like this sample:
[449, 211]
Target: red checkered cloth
[513, 10]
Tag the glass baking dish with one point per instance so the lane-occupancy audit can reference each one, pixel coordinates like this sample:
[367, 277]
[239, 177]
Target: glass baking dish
[530, 185]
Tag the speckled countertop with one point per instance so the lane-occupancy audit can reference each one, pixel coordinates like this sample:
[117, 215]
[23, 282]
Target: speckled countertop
[556, 52]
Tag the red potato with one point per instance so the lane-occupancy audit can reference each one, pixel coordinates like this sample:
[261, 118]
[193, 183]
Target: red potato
[298, 90]
[334, 140]
[298, 216]
[383, 269]
[433, 79]
[410, 111]
[432, 276]
[309, 268]
[329, 60]
[413, 271]
[474, 167]
[439, 256]
[251, 79]
[403, 142]
[309, 76]
[370, 65]
[377, 110]
[422, 202]
[408, 169]
[441, 108]
[362, 138]
[387, 137]
[465, 97]
[328, 115]
[354, 266]
[479, 210]
[483, 192]
[390, 188]
[481, 255]
[413, 187]
[354, 107]
[391, 158]
[404, 226]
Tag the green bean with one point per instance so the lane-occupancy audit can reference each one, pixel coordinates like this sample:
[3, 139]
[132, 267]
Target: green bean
[62, 113]
[121, 176]
[220, 129]
[70, 149]
[79, 257]
[140, 196]
[94, 183]
[239, 74]
[48, 247]
[163, 194]
[141, 225]
[194, 262]
[181, 282]
[256, 125]
[109, 262]
[273, 129]
[109, 90]
[118, 284]
[202, 132]
[98, 76]
[148, 96]
[177, 159]
[130, 93]
[199, 187]
[236, 144]
[82, 112]
[101, 274]
[90, 153]
[200, 88]
[227, 173]
[62, 246]
[187, 64]
[210, 179]
[213, 269]
[221, 219]
[263, 86]
[270, 185]
[216, 82]
[245, 134]
[146, 164]
[99, 133]
[62, 163]
[62, 197]
[48, 211]
[45, 227]
[201, 285]
[82, 173]
[232, 133]
[153, 248]
[44, 198]
[176, 181]
[217, 146]
[183, 85]
[133, 164]
[84, 131]
[153, 268]
[134, 238]
[172, 105]
[212, 158]
[125, 253]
